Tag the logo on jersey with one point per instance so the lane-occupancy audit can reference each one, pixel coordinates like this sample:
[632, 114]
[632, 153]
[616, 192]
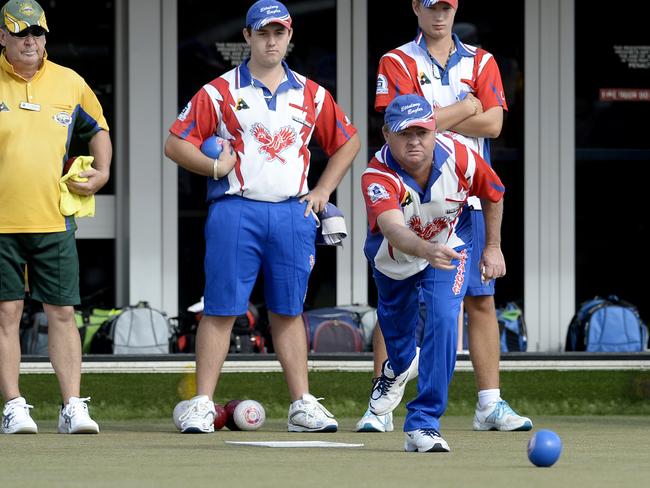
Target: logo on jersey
[274, 144]
[382, 85]
[63, 118]
[460, 273]
[407, 200]
[241, 105]
[3, 107]
[183, 115]
[430, 230]
[377, 192]
[424, 79]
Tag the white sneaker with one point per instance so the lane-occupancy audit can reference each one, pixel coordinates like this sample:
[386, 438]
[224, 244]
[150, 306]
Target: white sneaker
[425, 440]
[307, 415]
[74, 418]
[16, 418]
[500, 416]
[198, 417]
[375, 423]
[388, 389]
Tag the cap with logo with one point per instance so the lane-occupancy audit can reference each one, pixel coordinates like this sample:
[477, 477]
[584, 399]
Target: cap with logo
[407, 111]
[431, 3]
[18, 15]
[265, 12]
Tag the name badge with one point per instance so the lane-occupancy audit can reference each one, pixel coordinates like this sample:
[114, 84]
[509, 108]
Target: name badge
[34, 107]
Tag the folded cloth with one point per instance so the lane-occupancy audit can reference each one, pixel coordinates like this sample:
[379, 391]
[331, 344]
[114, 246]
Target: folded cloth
[332, 230]
[71, 203]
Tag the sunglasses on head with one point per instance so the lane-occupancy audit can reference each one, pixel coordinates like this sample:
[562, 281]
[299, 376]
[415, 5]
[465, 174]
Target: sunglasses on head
[33, 30]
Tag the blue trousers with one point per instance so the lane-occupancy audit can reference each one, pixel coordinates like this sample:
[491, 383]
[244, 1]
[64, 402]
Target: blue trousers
[398, 313]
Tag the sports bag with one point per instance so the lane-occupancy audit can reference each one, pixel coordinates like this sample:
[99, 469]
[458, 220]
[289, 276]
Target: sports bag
[137, 329]
[512, 328]
[339, 329]
[607, 325]
[89, 321]
[34, 339]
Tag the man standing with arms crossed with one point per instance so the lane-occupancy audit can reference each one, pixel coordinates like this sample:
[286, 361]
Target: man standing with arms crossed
[41, 105]
[463, 85]
[261, 210]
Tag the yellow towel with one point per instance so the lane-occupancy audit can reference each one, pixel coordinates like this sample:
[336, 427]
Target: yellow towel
[71, 203]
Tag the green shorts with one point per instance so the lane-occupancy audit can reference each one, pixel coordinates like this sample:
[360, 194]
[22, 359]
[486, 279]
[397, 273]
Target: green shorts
[52, 263]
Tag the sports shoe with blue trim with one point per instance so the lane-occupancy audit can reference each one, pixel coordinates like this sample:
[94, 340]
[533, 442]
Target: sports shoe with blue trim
[500, 416]
[75, 419]
[308, 415]
[375, 423]
[16, 418]
[388, 389]
[425, 440]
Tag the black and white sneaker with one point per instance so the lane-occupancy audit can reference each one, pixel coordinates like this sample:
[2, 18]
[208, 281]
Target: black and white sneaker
[388, 389]
[16, 418]
[425, 440]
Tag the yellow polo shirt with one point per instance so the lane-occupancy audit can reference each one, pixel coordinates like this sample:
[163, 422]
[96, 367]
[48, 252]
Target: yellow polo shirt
[37, 120]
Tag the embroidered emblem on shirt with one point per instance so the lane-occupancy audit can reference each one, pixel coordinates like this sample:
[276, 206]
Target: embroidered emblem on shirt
[241, 104]
[430, 230]
[377, 192]
[274, 144]
[424, 80]
[3, 107]
[382, 85]
[183, 115]
[63, 118]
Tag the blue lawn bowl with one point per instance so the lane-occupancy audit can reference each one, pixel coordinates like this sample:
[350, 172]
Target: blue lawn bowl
[544, 448]
[212, 147]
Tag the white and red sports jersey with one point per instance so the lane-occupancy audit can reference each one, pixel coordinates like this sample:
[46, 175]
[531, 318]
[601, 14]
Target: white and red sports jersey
[432, 212]
[411, 69]
[269, 132]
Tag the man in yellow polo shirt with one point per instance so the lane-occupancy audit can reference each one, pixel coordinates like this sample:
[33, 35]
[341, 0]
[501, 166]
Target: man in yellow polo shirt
[42, 105]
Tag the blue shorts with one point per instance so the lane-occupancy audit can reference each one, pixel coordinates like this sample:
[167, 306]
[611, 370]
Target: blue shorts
[245, 236]
[475, 287]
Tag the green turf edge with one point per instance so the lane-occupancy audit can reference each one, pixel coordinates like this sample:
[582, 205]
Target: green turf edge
[153, 395]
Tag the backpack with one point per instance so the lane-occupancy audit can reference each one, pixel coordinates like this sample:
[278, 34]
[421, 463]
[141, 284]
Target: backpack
[340, 329]
[607, 325]
[245, 336]
[34, 337]
[89, 321]
[512, 328]
[137, 329]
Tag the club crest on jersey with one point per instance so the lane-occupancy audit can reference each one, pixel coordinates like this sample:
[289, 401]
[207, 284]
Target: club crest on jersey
[382, 85]
[183, 115]
[63, 118]
[424, 79]
[377, 192]
[241, 105]
[430, 230]
[274, 144]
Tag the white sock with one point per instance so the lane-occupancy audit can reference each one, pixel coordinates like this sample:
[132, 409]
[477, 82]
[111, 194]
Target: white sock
[486, 397]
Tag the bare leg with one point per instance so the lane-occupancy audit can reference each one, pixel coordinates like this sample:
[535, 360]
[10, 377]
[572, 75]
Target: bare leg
[212, 344]
[64, 346]
[290, 343]
[10, 313]
[379, 351]
[484, 347]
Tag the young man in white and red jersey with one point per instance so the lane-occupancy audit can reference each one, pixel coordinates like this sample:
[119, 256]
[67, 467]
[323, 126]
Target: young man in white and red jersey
[261, 213]
[463, 85]
[416, 188]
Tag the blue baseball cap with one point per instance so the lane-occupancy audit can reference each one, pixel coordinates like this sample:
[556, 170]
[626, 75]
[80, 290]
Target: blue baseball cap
[407, 111]
[266, 12]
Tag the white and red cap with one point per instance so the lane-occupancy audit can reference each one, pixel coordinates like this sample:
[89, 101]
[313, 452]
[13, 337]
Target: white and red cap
[431, 3]
[407, 111]
[265, 12]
